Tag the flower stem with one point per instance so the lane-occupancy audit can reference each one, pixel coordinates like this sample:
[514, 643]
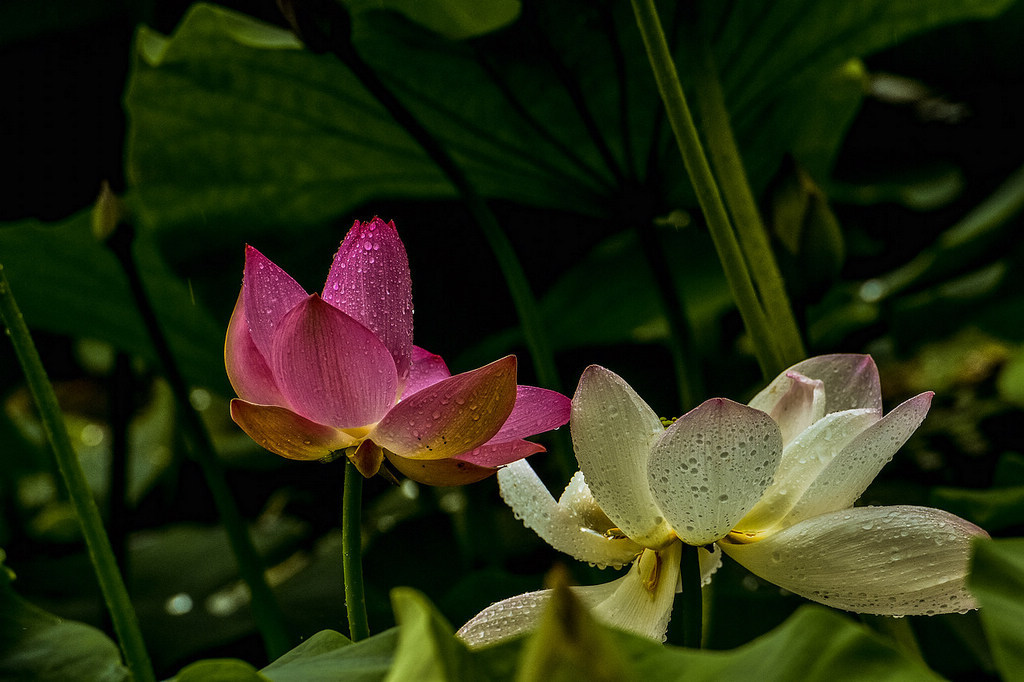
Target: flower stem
[706, 189]
[899, 630]
[266, 611]
[728, 167]
[693, 609]
[352, 553]
[125, 621]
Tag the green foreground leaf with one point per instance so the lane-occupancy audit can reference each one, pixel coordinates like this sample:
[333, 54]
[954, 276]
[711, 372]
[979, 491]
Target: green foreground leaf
[997, 581]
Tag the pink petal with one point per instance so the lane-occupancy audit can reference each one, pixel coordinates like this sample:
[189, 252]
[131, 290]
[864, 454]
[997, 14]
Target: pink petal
[288, 434]
[427, 369]
[332, 369]
[537, 410]
[439, 471]
[453, 416]
[248, 372]
[268, 293]
[370, 281]
[496, 454]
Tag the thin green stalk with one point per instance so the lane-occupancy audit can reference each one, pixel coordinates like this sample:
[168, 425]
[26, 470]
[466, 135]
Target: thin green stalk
[706, 189]
[728, 167]
[126, 624]
[352, 553]
[693, 609]
[266, 611]
[327, 28]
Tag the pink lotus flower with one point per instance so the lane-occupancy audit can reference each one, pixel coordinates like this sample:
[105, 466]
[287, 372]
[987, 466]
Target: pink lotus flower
[321, 373]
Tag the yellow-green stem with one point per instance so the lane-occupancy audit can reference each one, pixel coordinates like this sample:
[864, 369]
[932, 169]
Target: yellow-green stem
[706, 189]
[126, 624]
[728, 167]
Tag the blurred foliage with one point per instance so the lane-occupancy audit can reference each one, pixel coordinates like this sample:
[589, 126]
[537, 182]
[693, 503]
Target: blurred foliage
[888, 166]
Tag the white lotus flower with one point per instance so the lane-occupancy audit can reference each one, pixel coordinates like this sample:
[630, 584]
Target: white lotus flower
[771, 484]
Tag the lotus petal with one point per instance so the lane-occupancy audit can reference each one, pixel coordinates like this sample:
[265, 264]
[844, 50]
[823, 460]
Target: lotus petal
[369, 280]
[894, 561]
[849, 474]
[285, 433]
[453, 416]
[557, 524]
[427, 369]
[248, 371]
[613, 431]
[711, 467]
[268, 293]
[332, 369]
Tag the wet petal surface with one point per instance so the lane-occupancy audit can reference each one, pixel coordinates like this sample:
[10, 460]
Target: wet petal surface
[613, 431]
[453, 416]
[711, 467]
[558, 524]
[285, 433]
[899, 560]
[849, 474]
[332, 369]
[369, 280]
[247, 369]
[268, 294]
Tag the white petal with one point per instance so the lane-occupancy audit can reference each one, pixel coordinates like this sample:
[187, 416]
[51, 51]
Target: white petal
[613, 430]
[802, 462]
[578, 499]
[849, 474]
[851, 382]
[505, 619]
[640, 602]
[794, 402]
[711, 467]
[557, 524]
[884, 560]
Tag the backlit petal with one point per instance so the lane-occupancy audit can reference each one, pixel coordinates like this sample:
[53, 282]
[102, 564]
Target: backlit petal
[285, 433]
[446, 472]
[453, 416]
[367, 458]
[624, 603]
[498, 453]
[851, 382]
[369, 280]
[802, 461]
[613, 431]
[884, 560]
[536, 410]
[557, 524]
[799, 406]
[848, 475]
[427, 369]
[268, 293]
[711, 467]
[248, 371]
[332, 369]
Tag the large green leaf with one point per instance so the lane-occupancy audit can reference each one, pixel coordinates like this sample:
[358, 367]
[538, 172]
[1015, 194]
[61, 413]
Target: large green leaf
[997, 580]
[69, 283]
[36, 645]
[455, 19]
[330, 655]
[233, 125]
[427, 649]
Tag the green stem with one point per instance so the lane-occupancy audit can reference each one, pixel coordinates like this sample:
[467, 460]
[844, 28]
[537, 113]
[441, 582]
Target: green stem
[329, 29]
[728, 167]
[693, 609]
[899, 630]
[352, 553]
[126, 624]
[706, 189]
[266, 611]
